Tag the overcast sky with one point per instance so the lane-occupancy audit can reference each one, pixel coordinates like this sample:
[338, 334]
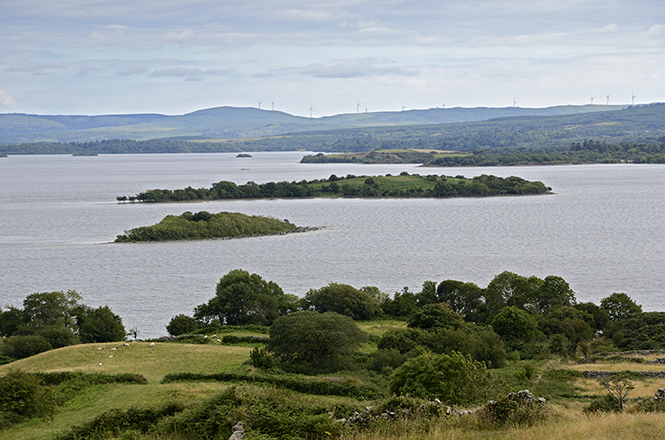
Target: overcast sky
[177, 56]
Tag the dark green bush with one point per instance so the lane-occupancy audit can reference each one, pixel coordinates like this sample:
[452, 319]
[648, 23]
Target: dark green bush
[19, 347]
[267, 413]
[295, 383]
[20, 394]
[233, 339]
[515, 409]
[182, 324]
[260, 358]
[606, 403]
[117, 421]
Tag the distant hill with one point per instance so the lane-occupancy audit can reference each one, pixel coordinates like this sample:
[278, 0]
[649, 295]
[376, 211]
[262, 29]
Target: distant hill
[234, 122]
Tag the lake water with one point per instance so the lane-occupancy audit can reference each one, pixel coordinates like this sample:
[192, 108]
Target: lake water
[602, 231]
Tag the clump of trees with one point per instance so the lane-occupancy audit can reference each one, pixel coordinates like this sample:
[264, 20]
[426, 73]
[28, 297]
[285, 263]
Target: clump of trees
[51, 320]
[456, 332]
[243, 298]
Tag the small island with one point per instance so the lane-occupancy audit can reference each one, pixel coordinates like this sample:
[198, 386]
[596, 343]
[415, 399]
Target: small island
[404, 185]
[381, 156]
[244, 155]
[204, 225]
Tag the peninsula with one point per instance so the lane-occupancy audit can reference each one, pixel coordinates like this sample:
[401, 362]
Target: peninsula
[404, 185]
[204, 225]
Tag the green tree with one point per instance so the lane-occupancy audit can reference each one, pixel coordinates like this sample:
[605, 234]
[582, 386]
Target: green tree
[342, 299]
[515, 326]
[435, 316]
[554, 292]
[463, 298]
[10, 320]
[401, 305]
[51, 308]
[243, 298]
[453, 378]
[100, 325]
[619, 306]
[181, 324]
[427, 295]
[317, 340]
[510, 289]
[58, 336]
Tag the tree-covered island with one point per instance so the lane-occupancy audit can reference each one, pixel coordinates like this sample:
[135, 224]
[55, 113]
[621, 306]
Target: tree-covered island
[204, 225]
[402, 186]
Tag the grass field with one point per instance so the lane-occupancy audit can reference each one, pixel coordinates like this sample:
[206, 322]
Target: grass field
[152, 362]
[568, 420]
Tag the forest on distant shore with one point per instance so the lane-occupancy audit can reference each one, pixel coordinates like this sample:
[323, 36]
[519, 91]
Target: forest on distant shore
[586, 152]
[634, 125]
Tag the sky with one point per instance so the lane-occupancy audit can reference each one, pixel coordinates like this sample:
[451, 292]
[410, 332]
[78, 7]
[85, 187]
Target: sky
[318, 58]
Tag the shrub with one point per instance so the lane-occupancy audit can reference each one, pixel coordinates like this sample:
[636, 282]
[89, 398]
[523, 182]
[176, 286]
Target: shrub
[606, 403]
[520, 409]
[323, 341]
[454, 378]
[182, 324]
[266, 413]
[19, 394]
[19, 347]
[117, 421]
[260, 358]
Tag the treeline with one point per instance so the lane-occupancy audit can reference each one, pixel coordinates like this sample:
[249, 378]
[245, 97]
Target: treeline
[202, 225]
[119, 146]
[404, 185]
[51, 320]
[585, 152]
[514, 316]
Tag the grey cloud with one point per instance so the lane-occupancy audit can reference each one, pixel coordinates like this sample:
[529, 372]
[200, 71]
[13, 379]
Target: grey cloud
[355, 68]
[184, 72]
[132, 70]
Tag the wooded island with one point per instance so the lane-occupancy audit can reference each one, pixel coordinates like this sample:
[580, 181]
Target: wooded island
[402, 186]
[204, 225]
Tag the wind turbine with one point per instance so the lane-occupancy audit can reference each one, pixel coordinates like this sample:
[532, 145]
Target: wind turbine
[634, 96]
[608, 98]
[592, 100]
[358, 107]
[311, 109]
[260, 102]
[403, 108]
[272, 107]
[514, 102]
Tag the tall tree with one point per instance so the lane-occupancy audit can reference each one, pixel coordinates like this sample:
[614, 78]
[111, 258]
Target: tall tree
[243, 298]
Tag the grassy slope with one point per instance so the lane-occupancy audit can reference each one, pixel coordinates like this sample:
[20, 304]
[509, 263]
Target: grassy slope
[163, 358]
[152, 362]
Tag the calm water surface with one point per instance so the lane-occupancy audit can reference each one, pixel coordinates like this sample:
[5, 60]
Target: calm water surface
[601, 231]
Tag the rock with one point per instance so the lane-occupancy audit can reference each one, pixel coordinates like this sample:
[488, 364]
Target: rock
[238, 432]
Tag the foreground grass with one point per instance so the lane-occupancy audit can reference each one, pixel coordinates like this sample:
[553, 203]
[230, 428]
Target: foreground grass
[563, 426]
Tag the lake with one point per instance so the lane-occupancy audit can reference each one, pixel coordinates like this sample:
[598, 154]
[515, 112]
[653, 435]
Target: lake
[601, 231]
